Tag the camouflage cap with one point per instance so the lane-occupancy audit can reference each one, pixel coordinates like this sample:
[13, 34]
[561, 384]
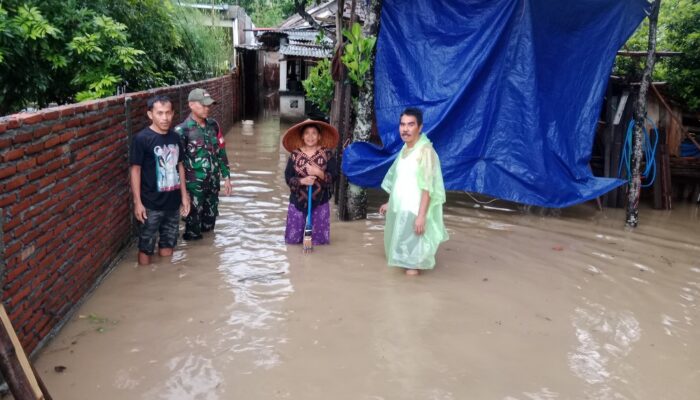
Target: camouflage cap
[201, 96]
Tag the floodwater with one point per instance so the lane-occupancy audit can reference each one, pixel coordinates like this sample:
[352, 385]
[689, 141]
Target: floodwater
[523, 304]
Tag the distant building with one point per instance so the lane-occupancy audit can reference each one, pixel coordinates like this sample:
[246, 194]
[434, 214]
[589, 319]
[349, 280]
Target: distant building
[300, 47]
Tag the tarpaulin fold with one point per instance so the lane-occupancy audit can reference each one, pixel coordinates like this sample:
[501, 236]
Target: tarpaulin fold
[511, 92]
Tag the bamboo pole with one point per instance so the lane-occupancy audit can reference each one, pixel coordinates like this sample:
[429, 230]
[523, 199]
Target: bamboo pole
[14, 364]
[640, 114]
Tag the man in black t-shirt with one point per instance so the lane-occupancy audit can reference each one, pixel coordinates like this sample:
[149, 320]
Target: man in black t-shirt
[158, 181]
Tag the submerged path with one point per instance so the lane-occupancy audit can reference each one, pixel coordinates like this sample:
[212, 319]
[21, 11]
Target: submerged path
[522, 305]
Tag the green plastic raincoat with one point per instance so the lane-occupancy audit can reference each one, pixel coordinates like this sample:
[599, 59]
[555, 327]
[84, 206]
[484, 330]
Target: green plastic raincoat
[413, 171]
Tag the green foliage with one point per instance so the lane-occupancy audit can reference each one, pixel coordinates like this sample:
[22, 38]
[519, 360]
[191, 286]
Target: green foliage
[32, 25]
[206, 50]
[678, 30]
[319, 86]
[267, 13]
[67, 50]
[357, 55]
[684, 36]
[101, 52]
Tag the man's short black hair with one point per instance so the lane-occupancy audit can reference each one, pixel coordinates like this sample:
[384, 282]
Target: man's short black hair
[161, 98]
[414, 112]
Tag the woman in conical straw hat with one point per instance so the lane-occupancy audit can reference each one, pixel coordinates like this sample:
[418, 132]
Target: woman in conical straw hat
[312, 162]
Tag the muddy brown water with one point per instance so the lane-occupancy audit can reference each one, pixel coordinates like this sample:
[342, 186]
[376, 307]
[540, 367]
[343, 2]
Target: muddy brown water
[523, 304]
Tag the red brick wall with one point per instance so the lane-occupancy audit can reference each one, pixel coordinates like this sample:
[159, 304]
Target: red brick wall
[65, 200]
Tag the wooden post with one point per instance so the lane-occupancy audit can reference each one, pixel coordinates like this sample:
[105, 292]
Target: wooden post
[364, 111]
[340, 113]
[14, 364]
[640, 115]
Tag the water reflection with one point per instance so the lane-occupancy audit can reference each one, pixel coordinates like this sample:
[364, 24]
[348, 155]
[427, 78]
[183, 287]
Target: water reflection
[254, 263]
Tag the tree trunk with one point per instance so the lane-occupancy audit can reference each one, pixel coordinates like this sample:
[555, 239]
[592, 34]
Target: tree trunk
[640, 113]
[364, 112]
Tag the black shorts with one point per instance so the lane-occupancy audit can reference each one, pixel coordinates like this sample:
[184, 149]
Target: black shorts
[159, 223]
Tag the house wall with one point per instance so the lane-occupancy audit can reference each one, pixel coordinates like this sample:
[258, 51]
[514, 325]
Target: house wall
[292, 107]
[65, 203]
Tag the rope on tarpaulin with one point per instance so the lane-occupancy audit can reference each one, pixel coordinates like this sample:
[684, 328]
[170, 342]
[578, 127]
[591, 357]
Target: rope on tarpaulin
[649, 150]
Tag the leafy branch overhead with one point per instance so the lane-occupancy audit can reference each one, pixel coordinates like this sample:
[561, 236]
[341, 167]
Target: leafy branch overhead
[357, 55]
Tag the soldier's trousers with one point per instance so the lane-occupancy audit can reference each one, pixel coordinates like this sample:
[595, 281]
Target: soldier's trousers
[204, 208]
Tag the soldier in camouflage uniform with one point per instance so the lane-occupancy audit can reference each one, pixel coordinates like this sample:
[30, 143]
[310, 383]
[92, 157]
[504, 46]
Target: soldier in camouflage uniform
[205, 164]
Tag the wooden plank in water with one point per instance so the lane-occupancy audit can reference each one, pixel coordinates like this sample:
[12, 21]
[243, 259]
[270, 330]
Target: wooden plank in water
[22, 382]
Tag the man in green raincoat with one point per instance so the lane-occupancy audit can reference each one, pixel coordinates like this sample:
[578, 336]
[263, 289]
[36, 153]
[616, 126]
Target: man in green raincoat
[414, 228]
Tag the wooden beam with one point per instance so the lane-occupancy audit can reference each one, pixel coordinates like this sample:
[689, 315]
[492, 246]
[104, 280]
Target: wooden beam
[640, 54]
[14, 364]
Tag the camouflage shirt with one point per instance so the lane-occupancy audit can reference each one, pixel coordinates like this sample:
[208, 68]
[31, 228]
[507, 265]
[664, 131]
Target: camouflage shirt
[205, 150]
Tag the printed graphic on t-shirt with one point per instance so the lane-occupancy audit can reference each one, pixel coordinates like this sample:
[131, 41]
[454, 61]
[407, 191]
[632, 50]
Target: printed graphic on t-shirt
[166, 167]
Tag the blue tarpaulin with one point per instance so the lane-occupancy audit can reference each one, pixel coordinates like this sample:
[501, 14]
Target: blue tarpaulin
[511, 92]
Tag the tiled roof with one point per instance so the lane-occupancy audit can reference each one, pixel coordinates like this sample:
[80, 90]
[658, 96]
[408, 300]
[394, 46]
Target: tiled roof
[311, 51]
[302, 35]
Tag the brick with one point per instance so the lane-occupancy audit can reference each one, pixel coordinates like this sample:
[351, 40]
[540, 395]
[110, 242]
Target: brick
[85, 130]
[12, 122]
[5, 142]
[16, 272]
[12, 248]
[28, 190]
[92, 118]
[37, 173]
[36, 210]
[73, 123]
[29, 119]
[58, 127]
[33, 319]
[52, 141]
[22, 137]
[51, 115]
[34, 148]
[54, 165]
[7, 171]
[16, 314]
[60, 187]
[43, 131]
[41, 196]
[12, 155]
[48, 156]
[30, 236]
[47, 237]
[63, 173]
[21, 230]
[21, 294]
[8, 199]
[19, 207]
[15, 182]
[68, 111]
[47, 262]
[30, 343]
[23, 166]
[41, 219]
[40, 323]
[65, 137]
[10, 224]
[83, 153]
